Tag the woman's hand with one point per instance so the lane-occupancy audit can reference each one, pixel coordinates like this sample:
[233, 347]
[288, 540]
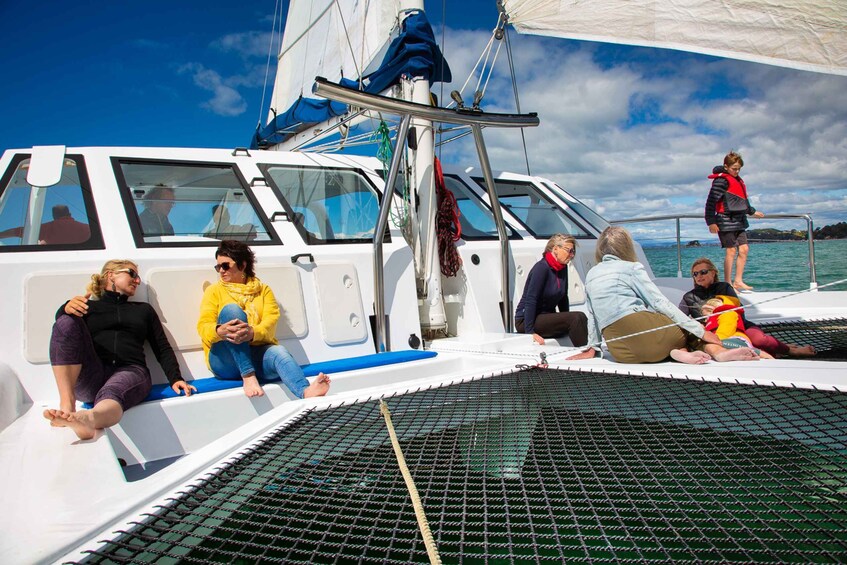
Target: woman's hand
[78, 305]
[181, 386]
[758, 214]
[587, 354]
[236, 331]
[538, 339]
[710, 337]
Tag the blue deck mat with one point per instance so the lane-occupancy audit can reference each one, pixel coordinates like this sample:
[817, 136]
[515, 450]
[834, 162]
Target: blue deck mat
[211, 384]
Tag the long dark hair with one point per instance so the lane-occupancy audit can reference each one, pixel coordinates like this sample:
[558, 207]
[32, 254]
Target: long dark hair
[239, 252]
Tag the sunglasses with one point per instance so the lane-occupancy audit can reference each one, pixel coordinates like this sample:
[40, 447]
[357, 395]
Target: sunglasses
[225, 266]
[700, 273]
[569, 251]
[133, 274]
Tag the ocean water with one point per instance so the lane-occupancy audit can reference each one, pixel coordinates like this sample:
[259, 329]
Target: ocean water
[770, 266]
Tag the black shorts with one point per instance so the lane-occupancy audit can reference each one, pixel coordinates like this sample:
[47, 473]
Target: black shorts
[732, 238]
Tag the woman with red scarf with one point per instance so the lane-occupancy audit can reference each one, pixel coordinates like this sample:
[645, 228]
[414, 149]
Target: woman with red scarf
[546, 290]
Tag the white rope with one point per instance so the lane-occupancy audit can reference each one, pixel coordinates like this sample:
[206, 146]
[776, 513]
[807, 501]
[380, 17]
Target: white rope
[423, 524]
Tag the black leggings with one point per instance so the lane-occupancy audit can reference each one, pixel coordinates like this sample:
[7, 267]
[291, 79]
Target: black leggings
[560, 324]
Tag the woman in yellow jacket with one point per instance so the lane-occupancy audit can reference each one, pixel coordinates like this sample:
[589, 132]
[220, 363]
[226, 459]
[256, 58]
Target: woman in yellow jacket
[238, 318]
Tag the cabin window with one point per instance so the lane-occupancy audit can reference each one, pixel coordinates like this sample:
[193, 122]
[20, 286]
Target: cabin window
[476, 218]
[579, 208]
[327, 205]
[177, 204]
[535, 210]
[52, 218]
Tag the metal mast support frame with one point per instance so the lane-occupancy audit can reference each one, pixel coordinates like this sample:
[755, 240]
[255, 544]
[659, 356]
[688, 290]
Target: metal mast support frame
[476, 120]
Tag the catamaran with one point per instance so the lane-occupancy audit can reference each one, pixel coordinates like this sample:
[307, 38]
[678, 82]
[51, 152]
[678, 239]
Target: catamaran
[445, 435]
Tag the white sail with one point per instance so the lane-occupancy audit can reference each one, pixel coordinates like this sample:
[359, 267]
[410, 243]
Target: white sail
[330, 39]
[802, 34]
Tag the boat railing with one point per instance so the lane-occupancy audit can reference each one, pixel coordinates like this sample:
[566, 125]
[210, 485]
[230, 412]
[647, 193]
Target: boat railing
[810, 228]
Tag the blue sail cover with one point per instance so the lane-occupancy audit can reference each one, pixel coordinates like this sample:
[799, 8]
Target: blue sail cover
[413, 53]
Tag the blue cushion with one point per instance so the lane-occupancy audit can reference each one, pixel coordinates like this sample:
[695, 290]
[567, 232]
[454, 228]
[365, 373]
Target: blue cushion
[211, 384]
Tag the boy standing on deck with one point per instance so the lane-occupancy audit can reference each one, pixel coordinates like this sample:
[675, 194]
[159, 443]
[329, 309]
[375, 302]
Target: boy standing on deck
[727, 208]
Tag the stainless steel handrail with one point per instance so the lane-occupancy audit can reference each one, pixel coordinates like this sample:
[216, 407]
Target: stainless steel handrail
[810, 228]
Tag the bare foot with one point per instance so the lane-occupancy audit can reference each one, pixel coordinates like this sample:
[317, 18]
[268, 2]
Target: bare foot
[319, 387]
[740, 354]
[82, 422]
[690, 357]
[252, 387]
[802, 350]
[740, 285]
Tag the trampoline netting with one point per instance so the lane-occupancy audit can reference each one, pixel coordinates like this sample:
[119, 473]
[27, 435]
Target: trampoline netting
[536, 465]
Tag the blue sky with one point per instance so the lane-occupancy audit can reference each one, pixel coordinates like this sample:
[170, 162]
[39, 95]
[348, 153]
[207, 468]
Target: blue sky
[633, 131]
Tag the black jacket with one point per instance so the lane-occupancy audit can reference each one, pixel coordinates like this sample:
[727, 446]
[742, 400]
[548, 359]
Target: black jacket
[119, 329]
[726, 220]
[694, 299]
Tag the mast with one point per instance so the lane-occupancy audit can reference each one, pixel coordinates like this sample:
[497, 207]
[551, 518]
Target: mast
[421, 157]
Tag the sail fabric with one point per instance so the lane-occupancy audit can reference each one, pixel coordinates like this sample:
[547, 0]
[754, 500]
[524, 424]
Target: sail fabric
[802, 34]
[414, 52]
[332, 39]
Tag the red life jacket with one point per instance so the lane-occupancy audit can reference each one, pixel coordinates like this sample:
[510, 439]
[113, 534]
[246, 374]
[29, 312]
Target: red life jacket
[736, 189]
[712, 322]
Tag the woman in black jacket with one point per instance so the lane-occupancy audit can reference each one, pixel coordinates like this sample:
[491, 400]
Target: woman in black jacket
[707, 285]
[97, 352]
[727, 208]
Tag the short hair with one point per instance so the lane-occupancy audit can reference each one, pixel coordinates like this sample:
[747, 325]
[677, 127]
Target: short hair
[98, 280]
[705, 261]
[615, 240]
[559, 239]
[155, 193]
[239, 252]
[732, 158]
[61, 211]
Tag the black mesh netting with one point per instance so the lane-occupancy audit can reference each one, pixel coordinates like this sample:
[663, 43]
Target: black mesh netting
[828, 336]
[538, 465]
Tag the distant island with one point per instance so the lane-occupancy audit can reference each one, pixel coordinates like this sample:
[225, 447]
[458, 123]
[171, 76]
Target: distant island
[835, 231]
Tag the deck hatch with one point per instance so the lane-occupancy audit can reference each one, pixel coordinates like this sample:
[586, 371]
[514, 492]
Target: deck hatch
[532, 465]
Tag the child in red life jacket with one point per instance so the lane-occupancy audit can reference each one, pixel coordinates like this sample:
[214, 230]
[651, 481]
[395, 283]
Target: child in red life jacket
[725, 319]
[727, 208]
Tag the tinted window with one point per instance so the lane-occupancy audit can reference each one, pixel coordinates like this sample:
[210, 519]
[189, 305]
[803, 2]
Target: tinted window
[535, 210]
[56, 217]
[325, 204]
[179, 203]
[476, 217]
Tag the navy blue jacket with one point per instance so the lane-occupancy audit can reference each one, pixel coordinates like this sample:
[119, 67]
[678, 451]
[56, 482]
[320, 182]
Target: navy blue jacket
[545, 290]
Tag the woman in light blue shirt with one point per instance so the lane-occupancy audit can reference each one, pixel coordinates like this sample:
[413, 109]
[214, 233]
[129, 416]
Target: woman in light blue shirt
[622, 300]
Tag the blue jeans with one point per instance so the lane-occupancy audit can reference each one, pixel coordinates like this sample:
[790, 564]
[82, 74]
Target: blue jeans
[234, 361]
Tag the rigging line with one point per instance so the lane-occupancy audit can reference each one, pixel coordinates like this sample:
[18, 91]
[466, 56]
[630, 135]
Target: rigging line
[350, 43]
[774, 299]
[517, 98]
[490, 70]
[485, 50]
[423, 524]
[277, 10]
[444, 57]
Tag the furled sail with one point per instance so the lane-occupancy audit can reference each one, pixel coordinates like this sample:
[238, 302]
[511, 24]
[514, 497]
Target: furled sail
[803, 34]
[349, 54]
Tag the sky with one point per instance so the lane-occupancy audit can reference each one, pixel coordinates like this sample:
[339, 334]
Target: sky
[632, 131]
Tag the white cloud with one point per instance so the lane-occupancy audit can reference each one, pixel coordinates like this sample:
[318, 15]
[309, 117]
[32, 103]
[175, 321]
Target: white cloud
[226, 100]
[638, 138]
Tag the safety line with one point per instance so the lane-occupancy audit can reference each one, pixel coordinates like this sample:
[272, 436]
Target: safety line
[423, 524]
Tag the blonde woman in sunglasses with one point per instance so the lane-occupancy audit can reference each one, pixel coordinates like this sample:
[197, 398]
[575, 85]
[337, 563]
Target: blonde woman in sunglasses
[238, 317]
[97, 352]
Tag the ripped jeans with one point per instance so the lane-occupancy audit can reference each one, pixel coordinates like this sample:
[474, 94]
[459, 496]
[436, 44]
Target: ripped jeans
[234, 361]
